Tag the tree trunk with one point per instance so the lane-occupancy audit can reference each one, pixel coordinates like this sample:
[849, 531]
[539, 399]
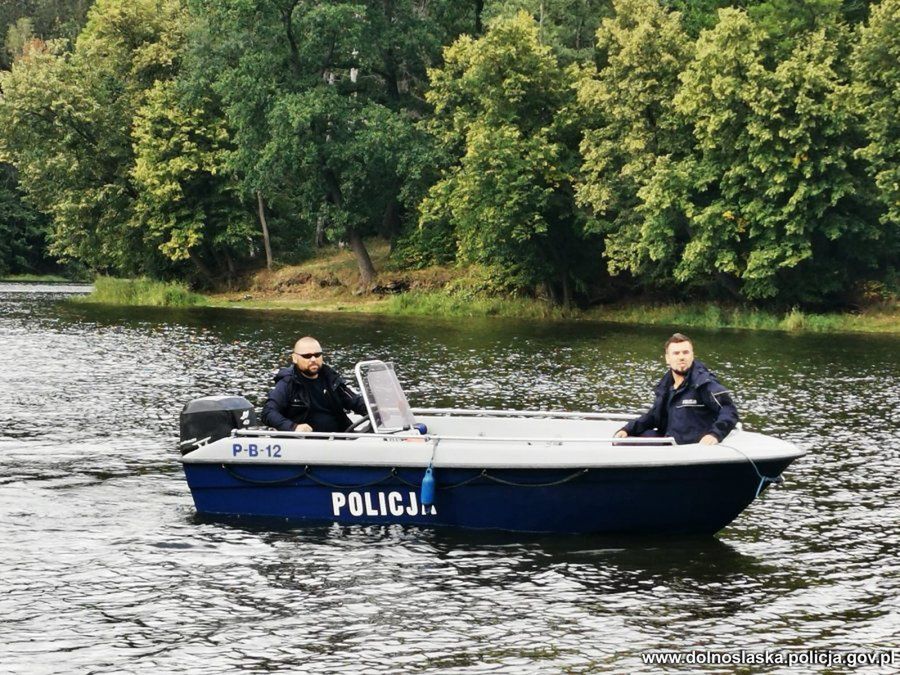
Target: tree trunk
[363, 261]
[321, 226]
[390, 222]
[204, 271]
[550, 290]
[265, 229]
[287, 18]
[541, 26]
[232, 271]
[566, 290]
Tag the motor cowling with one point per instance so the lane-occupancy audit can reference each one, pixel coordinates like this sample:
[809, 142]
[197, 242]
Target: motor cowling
[210, 418]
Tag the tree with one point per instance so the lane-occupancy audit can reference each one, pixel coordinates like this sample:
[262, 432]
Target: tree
[876, 70]
[66, 132]
[187, 203]
[22, 20]
[566, 26]
[784, 21]
[18, 35]
[501, 113]
[697, 15]
[23, 229]
[772, 195]
[322, 100]
[632, 127]
[131, 204]
[23, 245]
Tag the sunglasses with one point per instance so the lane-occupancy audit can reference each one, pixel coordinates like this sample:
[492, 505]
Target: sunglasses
[311, 355]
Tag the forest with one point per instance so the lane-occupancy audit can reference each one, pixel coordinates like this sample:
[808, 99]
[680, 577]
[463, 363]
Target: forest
[580, 151]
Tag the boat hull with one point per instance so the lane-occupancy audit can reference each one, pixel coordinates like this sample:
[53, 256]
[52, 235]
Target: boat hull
[676, 499]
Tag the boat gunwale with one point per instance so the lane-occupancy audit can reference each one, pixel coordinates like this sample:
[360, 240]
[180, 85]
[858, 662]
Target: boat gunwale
[540, 414]
[409, 448]
[550, 440]
[383, 452]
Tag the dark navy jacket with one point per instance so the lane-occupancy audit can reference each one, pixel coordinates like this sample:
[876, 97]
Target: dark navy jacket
[288, 402]
[698, 407]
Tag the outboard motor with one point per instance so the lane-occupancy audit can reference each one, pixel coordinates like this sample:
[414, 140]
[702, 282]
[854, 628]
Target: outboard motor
[210, 418]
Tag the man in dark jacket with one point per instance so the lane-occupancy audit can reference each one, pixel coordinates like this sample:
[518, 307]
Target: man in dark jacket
[690, 406]
[310, 396]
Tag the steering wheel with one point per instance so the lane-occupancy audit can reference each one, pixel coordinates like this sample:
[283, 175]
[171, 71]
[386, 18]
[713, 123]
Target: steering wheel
[361, 426]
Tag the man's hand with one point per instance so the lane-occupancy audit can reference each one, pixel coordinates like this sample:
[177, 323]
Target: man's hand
[303, 427]
[709, 439]
[621, 433]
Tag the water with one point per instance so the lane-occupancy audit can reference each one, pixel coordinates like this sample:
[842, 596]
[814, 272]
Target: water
[107, 568]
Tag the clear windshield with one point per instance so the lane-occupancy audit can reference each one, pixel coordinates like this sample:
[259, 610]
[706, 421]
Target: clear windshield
[385, 400]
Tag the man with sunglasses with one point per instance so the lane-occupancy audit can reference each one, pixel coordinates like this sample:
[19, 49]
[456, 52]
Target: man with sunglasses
[310, 396]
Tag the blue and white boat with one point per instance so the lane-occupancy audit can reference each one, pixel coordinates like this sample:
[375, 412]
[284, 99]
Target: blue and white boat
[524, 471]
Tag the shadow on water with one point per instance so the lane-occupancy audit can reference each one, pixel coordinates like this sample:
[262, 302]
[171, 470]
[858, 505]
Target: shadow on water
[636, 558]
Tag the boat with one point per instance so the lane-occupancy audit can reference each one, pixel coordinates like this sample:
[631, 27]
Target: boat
[520, 471]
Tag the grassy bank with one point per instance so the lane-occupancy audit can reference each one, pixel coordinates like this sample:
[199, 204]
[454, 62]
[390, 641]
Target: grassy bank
[329, 282]
[141, 292]
[436, 303]
[37, 278]
[696, 315]
[884, 319]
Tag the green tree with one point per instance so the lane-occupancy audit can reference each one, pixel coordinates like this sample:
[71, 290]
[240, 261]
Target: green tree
[876, 70]
[66, 132]
[23, 229]
[785, 20]
[772, 195]
[780, 18]
[22, 22]
[322, 99]
[104, 145]
[18, 35]
[187, 203]
[503, 111]
[632, 126]
[567, 26]
[697, 15]
[42, 19]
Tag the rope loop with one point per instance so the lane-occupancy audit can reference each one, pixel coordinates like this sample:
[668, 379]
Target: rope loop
[306, 473]
[393, 475]
[550, 484]
[254, 481]
[763, 480]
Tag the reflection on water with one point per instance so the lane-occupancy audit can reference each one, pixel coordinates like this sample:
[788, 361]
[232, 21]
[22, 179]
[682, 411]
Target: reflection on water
[110, 569]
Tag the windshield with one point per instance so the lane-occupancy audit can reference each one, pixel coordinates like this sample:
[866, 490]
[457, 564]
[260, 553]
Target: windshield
[385, 400]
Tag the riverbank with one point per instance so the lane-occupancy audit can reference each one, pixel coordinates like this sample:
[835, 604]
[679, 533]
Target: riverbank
[37, 279]
[684, 315]
[329, 283]
[141, 292]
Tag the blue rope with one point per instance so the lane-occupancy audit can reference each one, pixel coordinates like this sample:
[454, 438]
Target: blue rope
[762, 479]
[393, 475]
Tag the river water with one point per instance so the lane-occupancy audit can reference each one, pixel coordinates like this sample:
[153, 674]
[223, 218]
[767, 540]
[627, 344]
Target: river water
[107, 568]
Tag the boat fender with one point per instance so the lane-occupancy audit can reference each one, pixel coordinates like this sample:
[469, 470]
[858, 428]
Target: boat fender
[421, 428]
[427, 494]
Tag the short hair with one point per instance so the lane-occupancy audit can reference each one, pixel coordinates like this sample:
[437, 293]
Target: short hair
[677, 337]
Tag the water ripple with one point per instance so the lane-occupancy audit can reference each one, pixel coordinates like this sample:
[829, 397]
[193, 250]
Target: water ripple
[110, 570]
